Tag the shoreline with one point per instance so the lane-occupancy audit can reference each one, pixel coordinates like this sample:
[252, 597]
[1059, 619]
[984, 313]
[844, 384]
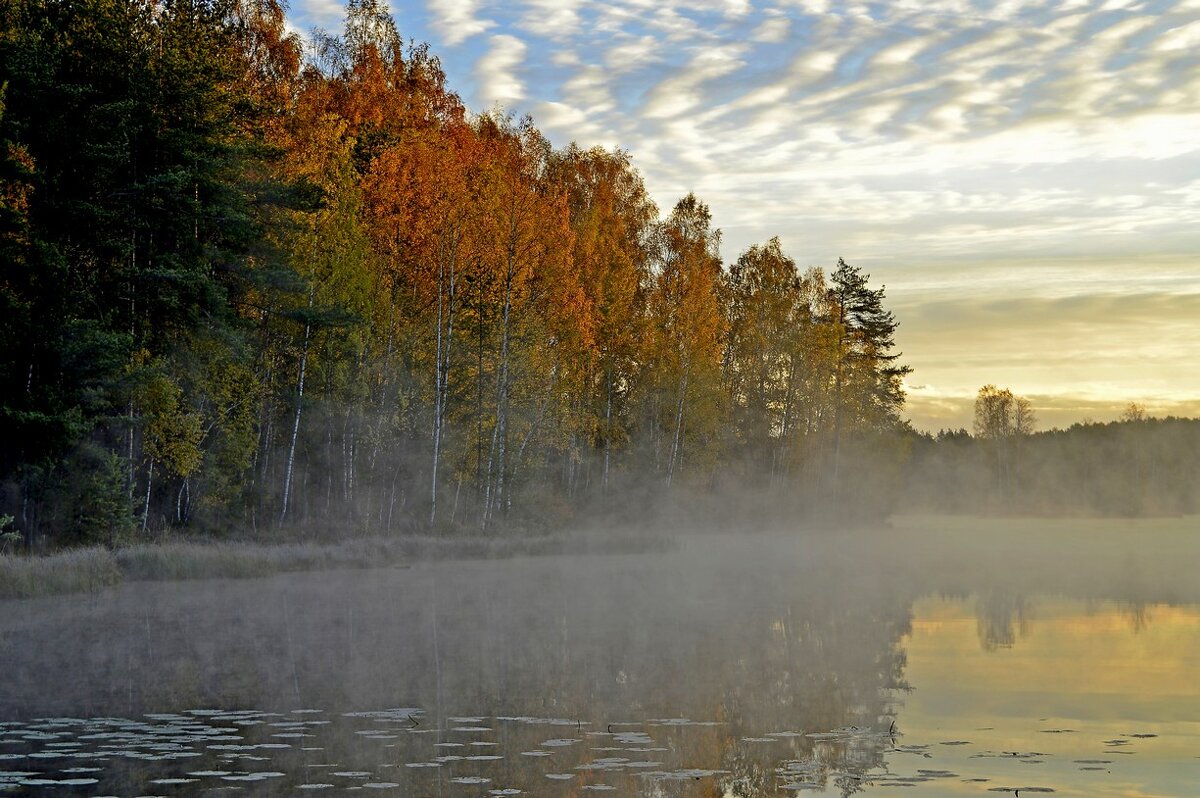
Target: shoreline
[92, 569]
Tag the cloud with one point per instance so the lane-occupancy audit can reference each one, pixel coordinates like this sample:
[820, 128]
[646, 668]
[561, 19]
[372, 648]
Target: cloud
[496, 71]
[553, 19]
[326, 14]
[590, 89]
[633, 54]
[773, 30]
[457, 20]
[681, 91]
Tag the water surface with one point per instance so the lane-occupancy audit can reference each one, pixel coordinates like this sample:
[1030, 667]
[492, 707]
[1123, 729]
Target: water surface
[927, 658]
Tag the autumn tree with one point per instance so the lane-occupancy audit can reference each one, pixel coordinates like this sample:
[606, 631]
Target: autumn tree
[1002, 420]
[765, 322]
[687, 322]
[868, 388]
[612, 217]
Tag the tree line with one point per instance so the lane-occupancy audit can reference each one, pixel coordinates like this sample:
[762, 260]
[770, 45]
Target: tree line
[249, 285]
[1135, 466]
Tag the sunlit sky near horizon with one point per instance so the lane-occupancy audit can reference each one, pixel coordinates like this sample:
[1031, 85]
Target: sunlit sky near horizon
[1022, 175]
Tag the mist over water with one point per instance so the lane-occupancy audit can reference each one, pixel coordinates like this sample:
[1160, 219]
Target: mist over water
[949, 657]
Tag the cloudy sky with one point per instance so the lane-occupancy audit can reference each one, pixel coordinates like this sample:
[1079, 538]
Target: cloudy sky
[1022, 175]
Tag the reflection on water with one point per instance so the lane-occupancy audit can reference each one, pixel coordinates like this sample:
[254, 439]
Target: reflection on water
[732, 668]
[1090, 698]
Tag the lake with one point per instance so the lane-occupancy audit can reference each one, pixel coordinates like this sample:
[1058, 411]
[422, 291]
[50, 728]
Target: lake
[935, 656]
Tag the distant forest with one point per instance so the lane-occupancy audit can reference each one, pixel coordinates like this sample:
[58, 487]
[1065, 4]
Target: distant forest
[249, 288]
[1137, 466]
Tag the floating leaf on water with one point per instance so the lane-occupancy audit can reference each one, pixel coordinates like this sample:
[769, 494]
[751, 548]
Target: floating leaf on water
[447, 745]
[353, 774]
[760, 739]
[313, 786]
[632, 738]
[602, 765]
[422, 764]
[955, 742]
[909, 779]
[472, 729]
[1143, 736]
[507, 791]
[399, 715]
[470, 780]
[688, 774]
[483, 743]
[175, 780]
[261, 775]
[209, 773]
[483, 757]
[307, 711]
[560, 742]
[559, 776]
[599, 787]
[536, 753]
[466, 720]
[380, 785]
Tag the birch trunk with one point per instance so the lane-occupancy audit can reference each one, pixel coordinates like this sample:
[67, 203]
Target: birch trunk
[287, 479]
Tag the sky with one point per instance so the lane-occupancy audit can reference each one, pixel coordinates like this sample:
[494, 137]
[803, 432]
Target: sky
[1022, 175]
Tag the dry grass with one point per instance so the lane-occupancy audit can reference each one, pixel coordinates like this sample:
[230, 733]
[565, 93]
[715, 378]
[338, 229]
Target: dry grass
[93, 569]
[78, 571]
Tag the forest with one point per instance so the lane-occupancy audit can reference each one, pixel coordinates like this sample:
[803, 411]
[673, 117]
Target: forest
[1135, 466]
[255, 286]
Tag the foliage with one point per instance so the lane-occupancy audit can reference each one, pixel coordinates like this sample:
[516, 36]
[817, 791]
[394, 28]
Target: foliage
[243, 287]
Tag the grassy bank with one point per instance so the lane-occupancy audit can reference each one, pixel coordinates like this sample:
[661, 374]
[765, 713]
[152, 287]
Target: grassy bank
[92, 569]
[75, 571]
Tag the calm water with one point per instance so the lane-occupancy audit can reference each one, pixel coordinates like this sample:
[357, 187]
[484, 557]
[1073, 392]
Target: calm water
[945, 662]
